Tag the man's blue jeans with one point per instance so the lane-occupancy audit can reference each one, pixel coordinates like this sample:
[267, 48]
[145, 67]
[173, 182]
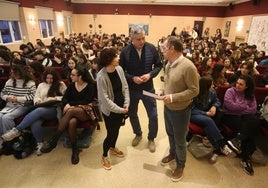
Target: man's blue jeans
[150, 106]
[177, 122]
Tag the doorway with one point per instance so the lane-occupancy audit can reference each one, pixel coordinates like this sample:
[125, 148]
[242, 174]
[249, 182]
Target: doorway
[198, 27]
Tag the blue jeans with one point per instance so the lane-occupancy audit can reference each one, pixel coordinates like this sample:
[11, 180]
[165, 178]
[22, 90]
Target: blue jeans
[150, 106]
[210, 127]
[35, 119]
[177, 122]
[7, 120]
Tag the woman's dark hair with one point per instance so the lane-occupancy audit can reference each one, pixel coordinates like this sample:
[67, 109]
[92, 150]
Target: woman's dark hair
[249, 92]
[21, 61]
[204, 86]
[5, 54]
[216, 71]
[218, 55]
[23, 74]
[84, 74]
[54, 89]
[82, 56]
[38, 69]
[41, 44]
[250, 66]
[106, 56]
[204, 65]
[60, 56]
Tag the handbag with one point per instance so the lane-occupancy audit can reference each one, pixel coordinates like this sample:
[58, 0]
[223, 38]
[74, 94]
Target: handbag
[89, 110]
[197, 148]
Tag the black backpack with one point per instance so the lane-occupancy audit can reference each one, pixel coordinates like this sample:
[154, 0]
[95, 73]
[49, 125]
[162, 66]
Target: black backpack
[20, 147]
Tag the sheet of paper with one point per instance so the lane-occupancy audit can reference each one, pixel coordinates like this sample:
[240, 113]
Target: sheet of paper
[152, 95]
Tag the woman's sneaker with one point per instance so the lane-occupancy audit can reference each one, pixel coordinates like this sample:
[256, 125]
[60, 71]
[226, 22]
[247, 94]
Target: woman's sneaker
[227, 151]
[106, 163]
[235, 144]
[213, 159]
[38, 148]
[11, 134]
[247, 167]
[117, 152]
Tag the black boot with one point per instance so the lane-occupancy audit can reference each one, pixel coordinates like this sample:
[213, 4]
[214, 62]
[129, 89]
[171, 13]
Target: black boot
[75, 154]
[51, 144]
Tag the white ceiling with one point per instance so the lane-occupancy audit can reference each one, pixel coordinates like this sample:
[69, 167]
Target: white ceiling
[166, 2]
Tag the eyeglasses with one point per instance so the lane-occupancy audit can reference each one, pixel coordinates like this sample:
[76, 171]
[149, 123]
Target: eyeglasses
[74, 75]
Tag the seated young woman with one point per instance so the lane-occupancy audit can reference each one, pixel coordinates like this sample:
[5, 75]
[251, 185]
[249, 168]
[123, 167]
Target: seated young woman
[51, 89]
[240, 109]
[205, 114]
[18, 90]
[77, 108]
[218, 75]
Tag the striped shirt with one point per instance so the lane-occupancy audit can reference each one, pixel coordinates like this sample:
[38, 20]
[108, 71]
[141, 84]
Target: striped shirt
[22, 94]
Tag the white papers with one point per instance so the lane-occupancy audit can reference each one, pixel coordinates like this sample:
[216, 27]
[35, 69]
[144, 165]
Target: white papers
[152, 95]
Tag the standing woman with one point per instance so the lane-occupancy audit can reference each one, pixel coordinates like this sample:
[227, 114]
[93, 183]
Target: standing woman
[239, 109]
[18, 90]
[77, 108]
[51, 89]
[113, 96]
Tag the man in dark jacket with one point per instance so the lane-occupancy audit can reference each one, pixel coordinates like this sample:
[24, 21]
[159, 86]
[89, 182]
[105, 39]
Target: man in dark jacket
[141, 64]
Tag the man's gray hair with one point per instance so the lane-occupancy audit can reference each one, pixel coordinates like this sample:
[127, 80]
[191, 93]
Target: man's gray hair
[136, 29]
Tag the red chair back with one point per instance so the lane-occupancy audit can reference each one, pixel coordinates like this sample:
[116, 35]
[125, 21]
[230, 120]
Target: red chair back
[260, 94]
[261, 69]
[221, 89]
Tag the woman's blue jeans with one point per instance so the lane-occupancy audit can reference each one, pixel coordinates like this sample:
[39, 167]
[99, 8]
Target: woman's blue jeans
[210, 127]
[36, 118]
[7, 120]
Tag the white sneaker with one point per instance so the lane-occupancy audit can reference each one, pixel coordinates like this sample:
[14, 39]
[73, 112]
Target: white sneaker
[227, 151]
[38, 148]
[213, 159]
[11, 134]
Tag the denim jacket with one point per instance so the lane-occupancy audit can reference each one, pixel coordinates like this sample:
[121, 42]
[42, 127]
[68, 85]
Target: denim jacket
[202, 108]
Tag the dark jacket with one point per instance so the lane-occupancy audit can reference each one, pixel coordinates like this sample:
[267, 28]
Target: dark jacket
[135, 66]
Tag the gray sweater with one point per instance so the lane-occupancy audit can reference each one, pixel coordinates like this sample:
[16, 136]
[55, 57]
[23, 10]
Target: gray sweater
[105, 92]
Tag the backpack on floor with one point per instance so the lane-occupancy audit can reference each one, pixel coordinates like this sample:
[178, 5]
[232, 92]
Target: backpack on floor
[197, 148]
[20, 147]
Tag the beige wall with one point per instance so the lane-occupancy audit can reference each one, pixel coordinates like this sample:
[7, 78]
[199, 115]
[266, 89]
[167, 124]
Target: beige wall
[158, 25]
[161, 25]
[239, 27]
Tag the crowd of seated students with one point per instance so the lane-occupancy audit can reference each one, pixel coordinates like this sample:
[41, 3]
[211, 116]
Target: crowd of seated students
[73, 60]
[214, 57]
